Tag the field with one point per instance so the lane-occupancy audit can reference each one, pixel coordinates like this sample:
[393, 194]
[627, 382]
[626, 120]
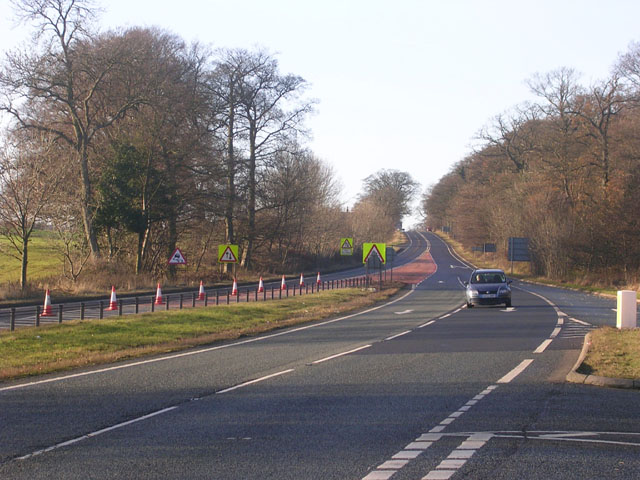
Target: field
[45, 258]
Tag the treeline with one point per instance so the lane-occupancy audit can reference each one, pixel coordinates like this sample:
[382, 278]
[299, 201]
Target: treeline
[563, 171]
[130, 143]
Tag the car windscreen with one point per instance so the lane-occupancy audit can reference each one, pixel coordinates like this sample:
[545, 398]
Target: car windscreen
[488, 277]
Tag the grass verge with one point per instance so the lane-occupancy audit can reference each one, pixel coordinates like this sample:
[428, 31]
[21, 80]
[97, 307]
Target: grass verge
[34, 351]
[613, 353]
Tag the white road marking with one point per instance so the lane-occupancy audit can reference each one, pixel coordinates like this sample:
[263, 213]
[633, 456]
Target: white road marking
[96, 433]
[580, 321]
[555, 332]
[543, 346]
[427, 324]
[257, 380]
[396, 336]
[403, 312]
[340, 354]
[516, 371]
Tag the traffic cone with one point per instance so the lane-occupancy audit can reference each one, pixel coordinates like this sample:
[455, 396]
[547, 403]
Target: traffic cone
[159, 296]
[301, 280]
[318, 281]
[260, 286]
[234, 288]
[283, 284]
[201, 292]
[113, 303]
[47, 310]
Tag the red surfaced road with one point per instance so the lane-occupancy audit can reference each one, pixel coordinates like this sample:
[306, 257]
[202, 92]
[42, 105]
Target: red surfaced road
[416, 271]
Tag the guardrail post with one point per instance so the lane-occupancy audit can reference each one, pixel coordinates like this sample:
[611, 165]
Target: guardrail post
[217, 297]
[206, 299]
[228, 299]
[137, 304]
[153, 305]
[193, 299]
[120, 303]
[247, 294]
[12, 324]
[82, 311]
[181, 300]
[37, 315]
[167, 304]
[60, 313]
[101, 309]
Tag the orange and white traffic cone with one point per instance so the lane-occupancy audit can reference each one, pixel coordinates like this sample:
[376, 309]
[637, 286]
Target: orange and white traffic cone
[260, 286]
[234, 288]
[318, 281]
[283, 284]
[301, 280]
[201, 291]
[47, 311]
[113, 303]
[159, 296]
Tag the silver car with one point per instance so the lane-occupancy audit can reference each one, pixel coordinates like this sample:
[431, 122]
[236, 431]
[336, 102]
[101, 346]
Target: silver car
[488, 287]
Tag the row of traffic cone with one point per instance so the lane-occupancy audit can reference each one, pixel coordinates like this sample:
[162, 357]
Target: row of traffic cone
[47, 310]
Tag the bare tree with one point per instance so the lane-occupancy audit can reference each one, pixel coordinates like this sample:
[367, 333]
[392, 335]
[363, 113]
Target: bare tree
[28, 179]
[64, 85]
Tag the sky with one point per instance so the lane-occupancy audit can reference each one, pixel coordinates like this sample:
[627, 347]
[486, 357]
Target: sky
[403, 84]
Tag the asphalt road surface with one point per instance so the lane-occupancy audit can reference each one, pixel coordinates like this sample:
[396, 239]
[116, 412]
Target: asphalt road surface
[419, 388]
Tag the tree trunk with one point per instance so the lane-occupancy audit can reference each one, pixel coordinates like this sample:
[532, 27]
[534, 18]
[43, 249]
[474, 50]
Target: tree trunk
[87, 214]
[25, 261]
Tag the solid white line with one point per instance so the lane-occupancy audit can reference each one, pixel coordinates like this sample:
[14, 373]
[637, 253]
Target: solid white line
[340, 354]
[251, 382]
[543, 346]
[516, 371]
[96, 433]
[200, 351]
[396, 336]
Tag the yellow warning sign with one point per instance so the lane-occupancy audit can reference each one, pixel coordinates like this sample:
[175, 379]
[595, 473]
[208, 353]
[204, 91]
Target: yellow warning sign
[228, 253]
[374, 250]
[346, 246]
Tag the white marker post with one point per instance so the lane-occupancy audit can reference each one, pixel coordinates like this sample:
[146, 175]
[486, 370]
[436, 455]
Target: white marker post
[626, 314]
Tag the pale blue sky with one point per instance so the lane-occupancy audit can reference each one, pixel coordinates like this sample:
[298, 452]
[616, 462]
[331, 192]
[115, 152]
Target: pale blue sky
[405, 84]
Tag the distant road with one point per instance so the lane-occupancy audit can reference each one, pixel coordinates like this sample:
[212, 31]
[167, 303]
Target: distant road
[418, 388]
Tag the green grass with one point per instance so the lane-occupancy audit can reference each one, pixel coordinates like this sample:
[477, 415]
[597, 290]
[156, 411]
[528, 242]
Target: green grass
[30, 351]
[613, 353]
[44, 258]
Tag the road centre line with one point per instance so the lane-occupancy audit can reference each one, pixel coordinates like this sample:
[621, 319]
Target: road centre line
[516, 371]
[396, 336]
[257, 380]
[543, 346]
[96, 433]
[200, 351]
[427, 324]
[339, 355]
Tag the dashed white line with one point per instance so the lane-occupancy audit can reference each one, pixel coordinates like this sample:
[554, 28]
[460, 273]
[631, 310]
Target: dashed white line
[427, 324]
[337, 355]
[257, 380]
[396, 336]
[516, 371]
[543, 346]
[95, 434]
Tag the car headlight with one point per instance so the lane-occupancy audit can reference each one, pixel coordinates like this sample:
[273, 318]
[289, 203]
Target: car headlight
[473, 293]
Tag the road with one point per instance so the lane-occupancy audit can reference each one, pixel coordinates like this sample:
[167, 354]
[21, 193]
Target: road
[417, 388]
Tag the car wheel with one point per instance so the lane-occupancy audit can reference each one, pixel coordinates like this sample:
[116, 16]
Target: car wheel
[507, 304]
[469, 305]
